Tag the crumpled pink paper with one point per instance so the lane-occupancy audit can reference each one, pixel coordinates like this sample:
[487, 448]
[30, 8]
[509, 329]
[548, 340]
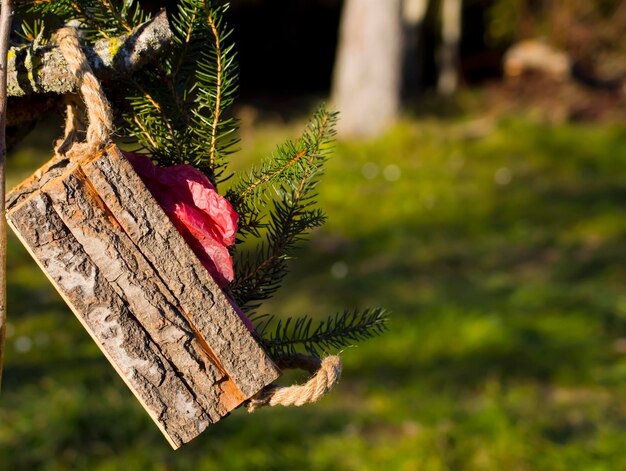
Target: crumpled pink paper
[205, 219]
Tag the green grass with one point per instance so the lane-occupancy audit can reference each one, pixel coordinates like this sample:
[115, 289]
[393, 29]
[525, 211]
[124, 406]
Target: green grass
[503, 261]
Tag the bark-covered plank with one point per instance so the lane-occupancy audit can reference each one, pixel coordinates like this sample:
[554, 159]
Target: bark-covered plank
[47, 172]
[104, 315]
[136, 281]
[199, 296]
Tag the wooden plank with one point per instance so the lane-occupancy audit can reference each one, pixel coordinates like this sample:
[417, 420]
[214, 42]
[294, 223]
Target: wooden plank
[137, 282]
[232, 345]
[125, 343]
[49, 171]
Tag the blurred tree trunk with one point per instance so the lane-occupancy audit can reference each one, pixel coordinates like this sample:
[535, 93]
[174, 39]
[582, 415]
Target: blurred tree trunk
[449, 57]
[413, 14]
[367, 77]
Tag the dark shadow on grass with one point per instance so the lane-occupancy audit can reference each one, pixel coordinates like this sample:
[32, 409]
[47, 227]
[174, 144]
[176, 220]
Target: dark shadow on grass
[89, 369]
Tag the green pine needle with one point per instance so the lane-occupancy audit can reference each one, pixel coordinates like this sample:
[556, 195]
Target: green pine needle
[339, 331]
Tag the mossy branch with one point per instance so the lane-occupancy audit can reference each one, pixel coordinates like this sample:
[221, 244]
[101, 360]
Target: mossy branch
[43, 69]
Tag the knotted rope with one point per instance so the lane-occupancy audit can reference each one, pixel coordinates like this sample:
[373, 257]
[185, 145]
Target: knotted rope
[98, 108]
[327, 375]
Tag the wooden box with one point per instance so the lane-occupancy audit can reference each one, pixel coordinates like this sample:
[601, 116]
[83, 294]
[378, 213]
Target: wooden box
[136, 286]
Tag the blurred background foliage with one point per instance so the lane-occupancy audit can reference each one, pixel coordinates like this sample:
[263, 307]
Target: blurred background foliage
[491, 222]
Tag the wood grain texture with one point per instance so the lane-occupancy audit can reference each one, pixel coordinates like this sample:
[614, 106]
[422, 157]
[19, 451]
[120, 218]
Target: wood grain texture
[137, 282]
[136, 357]
[202, 301]
[52, 169]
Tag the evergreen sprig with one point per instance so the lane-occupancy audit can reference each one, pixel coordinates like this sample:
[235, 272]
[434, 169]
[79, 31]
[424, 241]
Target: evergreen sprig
[286, 183]
[177, 110]
[290, 336]
[180, 113]
[216, 87]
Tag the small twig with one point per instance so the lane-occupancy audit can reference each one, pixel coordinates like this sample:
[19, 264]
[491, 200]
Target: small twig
[6, 17]
[218, 86]
[44, 69]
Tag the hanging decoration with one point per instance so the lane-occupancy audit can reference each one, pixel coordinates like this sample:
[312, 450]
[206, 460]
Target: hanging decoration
[146, 255]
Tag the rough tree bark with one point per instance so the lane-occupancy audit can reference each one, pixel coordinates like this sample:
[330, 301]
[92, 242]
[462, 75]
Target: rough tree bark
[200, 298]
[367, 76]
[44, 69]
[136, 281]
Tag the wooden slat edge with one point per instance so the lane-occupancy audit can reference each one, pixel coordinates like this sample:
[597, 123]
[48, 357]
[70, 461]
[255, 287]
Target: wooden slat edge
[27, 188]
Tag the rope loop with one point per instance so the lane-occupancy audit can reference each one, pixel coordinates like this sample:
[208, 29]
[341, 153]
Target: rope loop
[97, 107]
[327, 375]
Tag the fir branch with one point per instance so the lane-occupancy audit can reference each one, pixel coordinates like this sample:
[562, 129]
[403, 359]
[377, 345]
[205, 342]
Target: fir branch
[266, 176]
[292, 173]
[290, 163]
[149, 111]
[178, 110]
[190, 36]
[342, 330]
[186, 22]
[216, 87]
[112, 10]
[159, 113]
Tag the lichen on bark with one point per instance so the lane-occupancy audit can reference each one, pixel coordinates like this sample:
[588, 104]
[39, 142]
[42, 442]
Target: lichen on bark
[43, 69]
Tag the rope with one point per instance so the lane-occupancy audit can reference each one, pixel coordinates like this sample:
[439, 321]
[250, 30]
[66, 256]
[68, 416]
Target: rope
[98, 108]
[327, 375]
